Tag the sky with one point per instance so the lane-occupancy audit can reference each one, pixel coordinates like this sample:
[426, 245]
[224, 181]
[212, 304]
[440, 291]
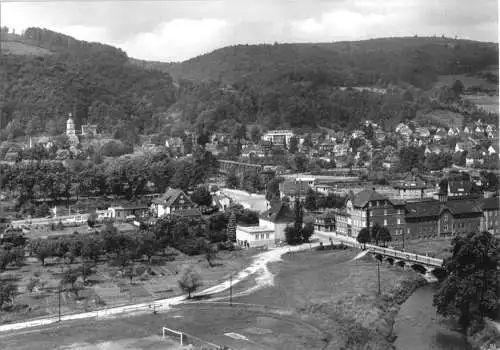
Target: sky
[178, 30]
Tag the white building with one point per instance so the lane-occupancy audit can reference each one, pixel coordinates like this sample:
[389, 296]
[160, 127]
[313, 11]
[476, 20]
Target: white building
[70, 131]
[254, 236]
[278, 137]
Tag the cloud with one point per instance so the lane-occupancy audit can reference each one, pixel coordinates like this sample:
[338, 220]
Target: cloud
[177, 40]
[174, 30]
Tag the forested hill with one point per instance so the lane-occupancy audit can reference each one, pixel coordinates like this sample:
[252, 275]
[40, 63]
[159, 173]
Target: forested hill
[44, 75]
[414, 60]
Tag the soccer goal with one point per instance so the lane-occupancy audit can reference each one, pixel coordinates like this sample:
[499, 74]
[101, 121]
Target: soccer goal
[168, 332]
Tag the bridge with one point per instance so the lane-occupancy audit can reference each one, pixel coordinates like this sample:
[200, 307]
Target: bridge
[239, 168]
[420, 263]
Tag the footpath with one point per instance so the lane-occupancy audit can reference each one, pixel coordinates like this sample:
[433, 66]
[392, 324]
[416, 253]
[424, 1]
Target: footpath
[258, 265]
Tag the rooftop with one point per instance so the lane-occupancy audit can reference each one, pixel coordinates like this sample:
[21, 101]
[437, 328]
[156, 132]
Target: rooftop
[255, 229]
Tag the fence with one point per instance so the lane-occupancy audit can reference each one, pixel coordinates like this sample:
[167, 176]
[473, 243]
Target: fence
[68, 219]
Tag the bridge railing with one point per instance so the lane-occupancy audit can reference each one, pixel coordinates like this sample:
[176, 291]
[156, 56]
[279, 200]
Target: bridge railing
[406, 256]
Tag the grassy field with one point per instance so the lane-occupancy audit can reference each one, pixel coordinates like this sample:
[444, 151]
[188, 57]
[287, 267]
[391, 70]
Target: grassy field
[484, 101]
[106, 287]
[468, 81]
[442, 118]
[327, 290]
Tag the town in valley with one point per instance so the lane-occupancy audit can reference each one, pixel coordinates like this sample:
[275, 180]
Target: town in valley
[270, 196]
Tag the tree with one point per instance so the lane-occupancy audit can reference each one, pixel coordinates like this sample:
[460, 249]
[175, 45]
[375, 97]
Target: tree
[8, 291]
[307, 231]
[273, 188]
[375, 230]
[470, 291]
[147, 244]
[384, 235]
[293, 145]
[232, 181]
[292, 235]
[310, 201]
[255, 133]
[299, 215]
[363, 237]
[457, 87]
[231, 227]
[201, 196]
[92, 219]
[70, 277]
[32, 284]
[190, 280]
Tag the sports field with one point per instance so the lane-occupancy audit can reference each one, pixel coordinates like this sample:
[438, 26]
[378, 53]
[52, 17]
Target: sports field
[325, 295]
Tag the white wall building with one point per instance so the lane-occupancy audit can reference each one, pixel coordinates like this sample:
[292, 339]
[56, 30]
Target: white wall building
[254, 236]
[278, 137]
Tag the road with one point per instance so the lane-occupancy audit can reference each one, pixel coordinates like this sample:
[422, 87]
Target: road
[251, 201]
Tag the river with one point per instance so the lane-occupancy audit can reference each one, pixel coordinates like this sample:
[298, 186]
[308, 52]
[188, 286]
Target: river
[418, 327]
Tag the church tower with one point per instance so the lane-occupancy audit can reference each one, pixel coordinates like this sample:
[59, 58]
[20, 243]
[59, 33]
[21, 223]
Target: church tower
[71, 132]
[70, 126]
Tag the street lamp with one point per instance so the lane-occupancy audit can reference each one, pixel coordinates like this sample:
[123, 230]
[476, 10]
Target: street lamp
[378, 274]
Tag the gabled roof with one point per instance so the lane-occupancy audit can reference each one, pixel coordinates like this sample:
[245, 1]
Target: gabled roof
[463, 207]
[194, 212]
[362, 198]
[292, 188]
[169, 197]
[423, 209]
[281, 213]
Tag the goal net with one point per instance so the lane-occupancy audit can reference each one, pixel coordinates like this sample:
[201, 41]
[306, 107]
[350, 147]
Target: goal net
[173, 334]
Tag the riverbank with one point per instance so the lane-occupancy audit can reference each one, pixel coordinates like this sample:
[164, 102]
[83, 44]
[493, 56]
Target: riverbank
[338, 294]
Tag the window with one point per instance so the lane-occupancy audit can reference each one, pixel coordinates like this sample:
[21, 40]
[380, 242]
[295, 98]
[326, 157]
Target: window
[385, 211]
[399, 221]
[267, 235]
[385, 222]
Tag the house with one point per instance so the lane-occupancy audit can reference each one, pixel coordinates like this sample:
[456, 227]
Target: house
[357, 134]
[252, 152]
[221, 202]
[440, 134]
[175, 144]
[411, 187]
[491, 215]
[278, 137]
[460, 147]
[492, 150]
[89, 130]
[458, 188]
[341, 149]
[255, 236]
[391, 161]
[453, 132]
[276, 219]
[325, 222]
[369, 207]
[432, 218]
[423, 132]
[404, 130]
[474, 157]
[327, 146]
[127, 212]
[171, 202]
[294, 189]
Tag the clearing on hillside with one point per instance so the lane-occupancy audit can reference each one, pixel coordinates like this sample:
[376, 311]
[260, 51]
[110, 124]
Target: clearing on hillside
[441, 118]
[17, 48]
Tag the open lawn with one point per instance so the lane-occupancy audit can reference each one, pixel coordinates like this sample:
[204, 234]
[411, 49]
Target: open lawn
[468, 80]
[106, 287]
[326, 292]
[47, 231]
[484, 101]
[442, 118]
[331, 290]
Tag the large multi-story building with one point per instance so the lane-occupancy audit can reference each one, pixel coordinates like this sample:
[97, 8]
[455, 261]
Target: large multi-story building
[278, 137]
[369, 207]
[411, 187]
[432, 218]
[491, 215]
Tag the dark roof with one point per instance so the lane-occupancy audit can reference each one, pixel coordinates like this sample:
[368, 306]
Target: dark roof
[169, 197]
[397, 202]
[459, 186]
[433, 208]
[423, 209]
[491, 203]
[463, 207]
[283, 213]
[362, 198]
